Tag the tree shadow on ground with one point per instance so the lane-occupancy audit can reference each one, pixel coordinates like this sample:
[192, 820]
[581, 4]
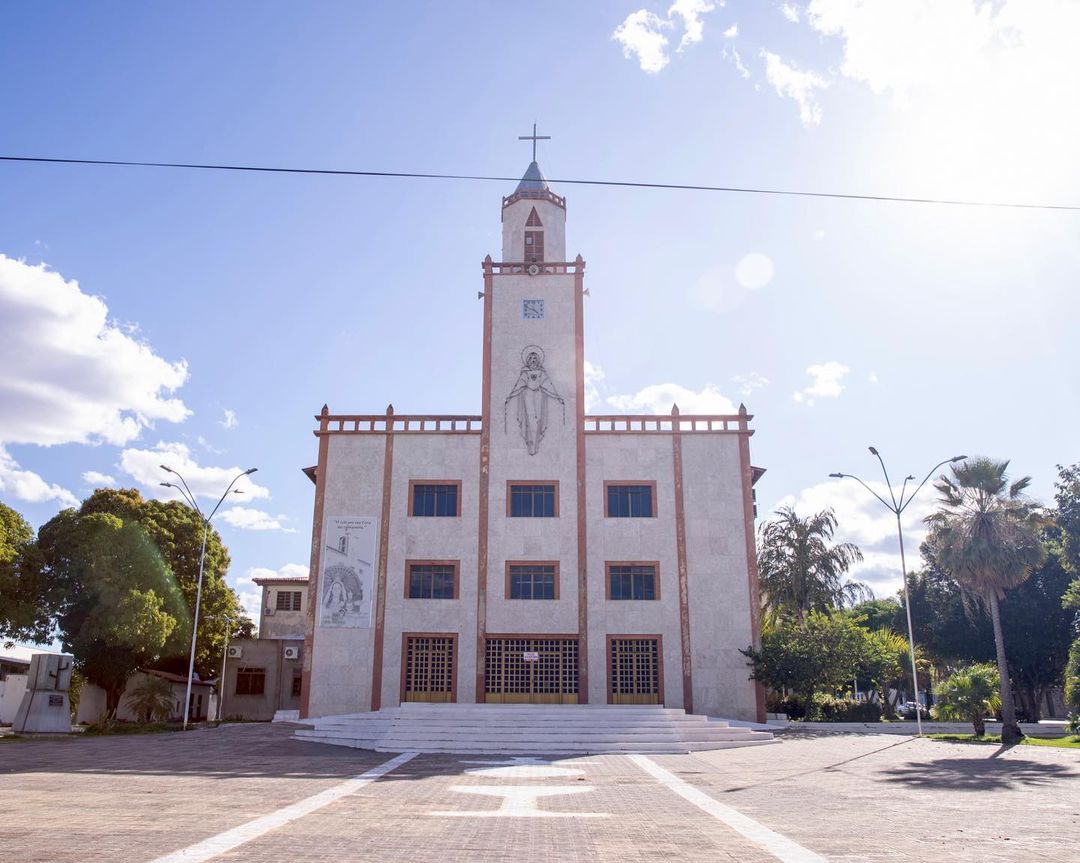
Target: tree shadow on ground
[989, 773]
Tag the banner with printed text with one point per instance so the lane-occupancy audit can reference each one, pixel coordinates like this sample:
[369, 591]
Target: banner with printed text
[347, 572]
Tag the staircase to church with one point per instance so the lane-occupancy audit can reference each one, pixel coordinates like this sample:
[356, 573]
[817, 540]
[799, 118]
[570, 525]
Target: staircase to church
[527, 729]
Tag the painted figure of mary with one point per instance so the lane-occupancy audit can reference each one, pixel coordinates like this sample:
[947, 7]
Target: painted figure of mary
[531, 395]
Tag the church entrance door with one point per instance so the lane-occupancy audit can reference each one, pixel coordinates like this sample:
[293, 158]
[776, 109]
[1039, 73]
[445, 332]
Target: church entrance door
[531, 671]
[634, 671]
[429, 670]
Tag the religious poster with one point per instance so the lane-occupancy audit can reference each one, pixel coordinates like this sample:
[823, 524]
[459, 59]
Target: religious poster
[347, 572]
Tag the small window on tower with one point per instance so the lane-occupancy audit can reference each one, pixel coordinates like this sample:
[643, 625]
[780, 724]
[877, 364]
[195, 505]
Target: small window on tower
[534, 247]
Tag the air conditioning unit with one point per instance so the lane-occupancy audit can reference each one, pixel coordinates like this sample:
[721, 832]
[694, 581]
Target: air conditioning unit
[292, 652]
[235, 651]
[269, 611]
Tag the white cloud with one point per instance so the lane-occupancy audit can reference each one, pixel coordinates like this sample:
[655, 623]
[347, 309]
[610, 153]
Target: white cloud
[827, 382]
[999, 73]
[691, 11]
[872, 377]
[97, 479]
[754, 271]
[143, 465]
[594, 379]
[69, 374]
[791, 12]
[731, 31]
[865, 521]
[750, 383]
[819, 234]
[250, 594]
[206, 445]
[245, 518]
[230, 421]
[736, 60]
[641, 34]
[658, 399]
[19, 484]
[791, 83]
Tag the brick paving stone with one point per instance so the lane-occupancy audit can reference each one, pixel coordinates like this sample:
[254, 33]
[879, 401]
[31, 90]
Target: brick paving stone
[876, 797]
[848, 797]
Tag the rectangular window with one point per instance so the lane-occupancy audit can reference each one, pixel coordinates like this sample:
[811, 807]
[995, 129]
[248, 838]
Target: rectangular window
[534, 247]
[250, 681]
[297, 682]
[288, 600]
[538, 580]
[434, 498]
[630, 500]
[532, 500]
[632, 581]
[432, 579]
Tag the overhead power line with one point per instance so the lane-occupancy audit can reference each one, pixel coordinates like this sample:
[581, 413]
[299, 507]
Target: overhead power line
[691, 187]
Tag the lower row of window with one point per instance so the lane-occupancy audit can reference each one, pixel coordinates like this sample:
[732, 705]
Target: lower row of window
[439, 579]
[532, 670]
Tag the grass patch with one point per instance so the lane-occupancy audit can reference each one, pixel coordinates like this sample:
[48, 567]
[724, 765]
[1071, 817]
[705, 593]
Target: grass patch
[995, 740]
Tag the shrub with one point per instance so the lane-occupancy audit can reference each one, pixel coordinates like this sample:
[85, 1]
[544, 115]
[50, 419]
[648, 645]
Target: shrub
[971, 694]
[830, 709]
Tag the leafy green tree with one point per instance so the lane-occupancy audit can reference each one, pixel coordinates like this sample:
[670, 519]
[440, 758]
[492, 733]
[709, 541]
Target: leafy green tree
[949, 626]
[799, 568]
[24, 594]
[820, 653]
[874, 614]
[1039, 628]
[972, 694]
[987, 537]
[883, 658]
[119, 606]
[1072, 678]
[177, 531]
[151, 699]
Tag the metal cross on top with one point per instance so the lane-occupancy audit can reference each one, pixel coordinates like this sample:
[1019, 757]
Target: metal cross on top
[534, 138]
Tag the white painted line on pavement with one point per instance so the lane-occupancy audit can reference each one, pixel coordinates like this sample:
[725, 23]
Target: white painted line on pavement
[780, 847]
[230, 839]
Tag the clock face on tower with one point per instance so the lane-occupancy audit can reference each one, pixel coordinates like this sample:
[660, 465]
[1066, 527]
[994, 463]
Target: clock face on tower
[532, 310]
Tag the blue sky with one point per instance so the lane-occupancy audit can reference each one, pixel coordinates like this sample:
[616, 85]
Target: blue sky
[925, 330]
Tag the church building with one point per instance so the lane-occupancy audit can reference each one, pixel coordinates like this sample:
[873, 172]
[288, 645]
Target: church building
[532, 553]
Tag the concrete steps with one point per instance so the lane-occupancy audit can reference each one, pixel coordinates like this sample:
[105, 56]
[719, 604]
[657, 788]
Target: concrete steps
[513, 729]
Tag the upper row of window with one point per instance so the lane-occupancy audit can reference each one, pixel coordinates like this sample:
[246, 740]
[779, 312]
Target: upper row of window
[534, 499]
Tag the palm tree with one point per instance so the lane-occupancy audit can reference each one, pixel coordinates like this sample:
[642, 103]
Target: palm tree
[152, 698]
[800, 571]
[970, 693]
[986, 535]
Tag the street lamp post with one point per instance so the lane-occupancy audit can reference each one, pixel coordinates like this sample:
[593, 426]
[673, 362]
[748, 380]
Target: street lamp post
[189, 498]
[897, 507]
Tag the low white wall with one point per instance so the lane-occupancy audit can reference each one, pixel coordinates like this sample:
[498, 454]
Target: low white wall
[11, 693]
[1031, 729]
[91, 704]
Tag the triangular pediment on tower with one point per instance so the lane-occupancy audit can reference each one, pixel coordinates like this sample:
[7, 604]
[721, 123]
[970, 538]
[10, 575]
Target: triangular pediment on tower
[534, 220]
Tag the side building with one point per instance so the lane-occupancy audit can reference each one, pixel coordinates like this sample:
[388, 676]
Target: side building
[532, 553]
[263, 675]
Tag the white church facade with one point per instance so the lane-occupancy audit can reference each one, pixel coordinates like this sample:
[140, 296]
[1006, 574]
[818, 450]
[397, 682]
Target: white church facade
[532, 553]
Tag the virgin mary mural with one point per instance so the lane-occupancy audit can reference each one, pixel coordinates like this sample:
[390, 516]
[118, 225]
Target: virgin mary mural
[531, 396]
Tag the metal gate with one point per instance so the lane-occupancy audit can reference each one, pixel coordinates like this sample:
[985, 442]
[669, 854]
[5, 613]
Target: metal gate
[531, 671]
[429, 668]
[634, 671]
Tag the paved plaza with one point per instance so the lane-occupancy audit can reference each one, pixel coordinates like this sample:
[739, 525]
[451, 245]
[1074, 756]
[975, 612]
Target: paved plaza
[249, 793]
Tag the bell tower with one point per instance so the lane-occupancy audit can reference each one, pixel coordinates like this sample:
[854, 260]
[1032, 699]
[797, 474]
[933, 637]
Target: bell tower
[534, 218]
